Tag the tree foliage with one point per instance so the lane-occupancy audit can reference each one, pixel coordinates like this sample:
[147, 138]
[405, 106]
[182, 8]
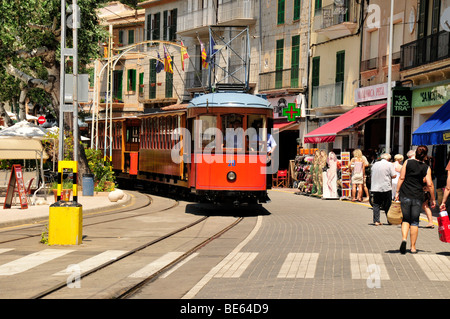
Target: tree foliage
[30, 36]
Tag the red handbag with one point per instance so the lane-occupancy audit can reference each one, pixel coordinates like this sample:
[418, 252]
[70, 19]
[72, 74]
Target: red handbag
[444, 227]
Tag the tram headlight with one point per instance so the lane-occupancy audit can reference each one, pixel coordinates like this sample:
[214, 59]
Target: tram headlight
[231, 176]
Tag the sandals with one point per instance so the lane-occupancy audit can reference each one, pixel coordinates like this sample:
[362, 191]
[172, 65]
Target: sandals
[429, 226]
[403, 247]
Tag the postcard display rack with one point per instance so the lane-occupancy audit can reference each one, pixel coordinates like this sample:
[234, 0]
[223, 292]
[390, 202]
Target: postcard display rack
[345, 175]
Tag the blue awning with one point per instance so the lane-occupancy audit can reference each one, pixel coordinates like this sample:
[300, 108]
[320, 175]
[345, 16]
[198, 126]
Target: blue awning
[435, 130]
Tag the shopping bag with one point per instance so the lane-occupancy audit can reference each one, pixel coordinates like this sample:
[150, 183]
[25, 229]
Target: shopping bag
[394, 215]
[444, 227]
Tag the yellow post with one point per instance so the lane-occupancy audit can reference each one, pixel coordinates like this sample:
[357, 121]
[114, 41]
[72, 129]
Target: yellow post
[65, 224]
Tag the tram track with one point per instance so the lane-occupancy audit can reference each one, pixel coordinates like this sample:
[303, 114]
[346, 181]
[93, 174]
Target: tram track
[131, 207]
[133, 288]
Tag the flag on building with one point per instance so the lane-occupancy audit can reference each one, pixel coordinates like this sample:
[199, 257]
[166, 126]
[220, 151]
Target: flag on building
[184, 55]
[167, 61]
[205, 58]
[159, 65]
[212, 51]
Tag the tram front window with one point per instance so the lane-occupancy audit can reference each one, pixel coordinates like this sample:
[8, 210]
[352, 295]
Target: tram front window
[207, 126]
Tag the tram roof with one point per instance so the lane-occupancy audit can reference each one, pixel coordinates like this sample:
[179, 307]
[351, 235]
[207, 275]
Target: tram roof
[230, 99]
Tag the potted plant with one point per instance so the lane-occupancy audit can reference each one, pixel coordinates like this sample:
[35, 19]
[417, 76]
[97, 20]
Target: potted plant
[66, 191]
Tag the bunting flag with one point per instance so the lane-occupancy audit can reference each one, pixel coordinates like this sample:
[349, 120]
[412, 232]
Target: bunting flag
[159, 64]
[205, 58]
[167, 61]
[184, 55]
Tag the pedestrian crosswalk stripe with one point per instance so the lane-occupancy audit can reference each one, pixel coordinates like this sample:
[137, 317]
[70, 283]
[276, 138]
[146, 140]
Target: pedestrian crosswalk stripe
[155, 266]
[435, 267]
[31, 261]
[93, 262]
[166, 274]
[236, 265]
[362, 266]
[299, 265]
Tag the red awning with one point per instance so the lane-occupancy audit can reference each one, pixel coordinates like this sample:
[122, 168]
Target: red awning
[286, 126]
[327, 133]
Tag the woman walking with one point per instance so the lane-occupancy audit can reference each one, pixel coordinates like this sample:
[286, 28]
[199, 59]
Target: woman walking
[410, 185]
[357, 169]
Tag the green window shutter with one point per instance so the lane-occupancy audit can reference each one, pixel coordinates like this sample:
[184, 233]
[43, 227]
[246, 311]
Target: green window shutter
[317, 6]
[120, 36]
[118, 81]
[141, 82]
[131, 83]
[297, 9]
[340, 69]
[130, 36]
[165, 24]
[152, 82]
[157, 26]
[279, 64]
[315, 77]
[295, 60]
[281, 11]
[173, 25]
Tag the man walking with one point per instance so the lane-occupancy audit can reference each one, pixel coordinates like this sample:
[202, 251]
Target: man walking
[382, 174]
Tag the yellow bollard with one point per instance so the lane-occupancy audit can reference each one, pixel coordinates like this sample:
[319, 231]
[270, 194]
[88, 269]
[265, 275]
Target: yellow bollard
[65, 223]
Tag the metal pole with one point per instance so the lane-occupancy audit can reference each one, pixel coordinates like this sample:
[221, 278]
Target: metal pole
[61, 81]
[76, 22]
[389, 97]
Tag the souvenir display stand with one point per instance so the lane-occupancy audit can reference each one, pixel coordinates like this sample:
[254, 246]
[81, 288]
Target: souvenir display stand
[345, 176]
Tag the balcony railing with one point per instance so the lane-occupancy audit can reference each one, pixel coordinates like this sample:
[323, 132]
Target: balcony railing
[327, 95]
[370, 64]
[333, 14]
[197, 79]
[280, 79]
[235, 10]
[196, 19]
[429, 49]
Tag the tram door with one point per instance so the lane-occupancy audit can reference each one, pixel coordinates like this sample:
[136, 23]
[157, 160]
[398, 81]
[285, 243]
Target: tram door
[131, 150]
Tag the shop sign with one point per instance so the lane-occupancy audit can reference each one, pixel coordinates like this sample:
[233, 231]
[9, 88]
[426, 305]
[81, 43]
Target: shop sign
[281, 103]
[372, 93]
[446, 136]
[433, 95]
[401, 102]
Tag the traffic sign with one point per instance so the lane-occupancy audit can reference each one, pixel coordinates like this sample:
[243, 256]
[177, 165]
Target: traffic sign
[41, 119]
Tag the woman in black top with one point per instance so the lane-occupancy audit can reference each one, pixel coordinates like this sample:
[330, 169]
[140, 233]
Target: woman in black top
[410, 191]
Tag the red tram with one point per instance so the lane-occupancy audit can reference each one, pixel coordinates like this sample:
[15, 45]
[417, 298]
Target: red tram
[214, 148]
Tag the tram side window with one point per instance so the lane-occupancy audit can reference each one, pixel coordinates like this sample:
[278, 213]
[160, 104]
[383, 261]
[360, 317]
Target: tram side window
[208, 125]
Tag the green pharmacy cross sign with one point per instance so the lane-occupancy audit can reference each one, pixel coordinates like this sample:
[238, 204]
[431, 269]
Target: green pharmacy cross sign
[291, 111]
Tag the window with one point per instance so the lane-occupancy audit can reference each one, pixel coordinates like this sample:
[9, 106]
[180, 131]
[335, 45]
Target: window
[141, 83]
[281, 11]
[156, 26]
[340, 67]
[131, 82]
[152, 82]
[121, 36]
[295, 60]
[173, 25]
[208, 128]
[317, 7]
[130, 36]
[315, 79]
[279, 64]
[117, 90]
[297, 9]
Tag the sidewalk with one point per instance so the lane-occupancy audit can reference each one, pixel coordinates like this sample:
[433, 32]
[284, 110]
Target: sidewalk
[34, 213]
